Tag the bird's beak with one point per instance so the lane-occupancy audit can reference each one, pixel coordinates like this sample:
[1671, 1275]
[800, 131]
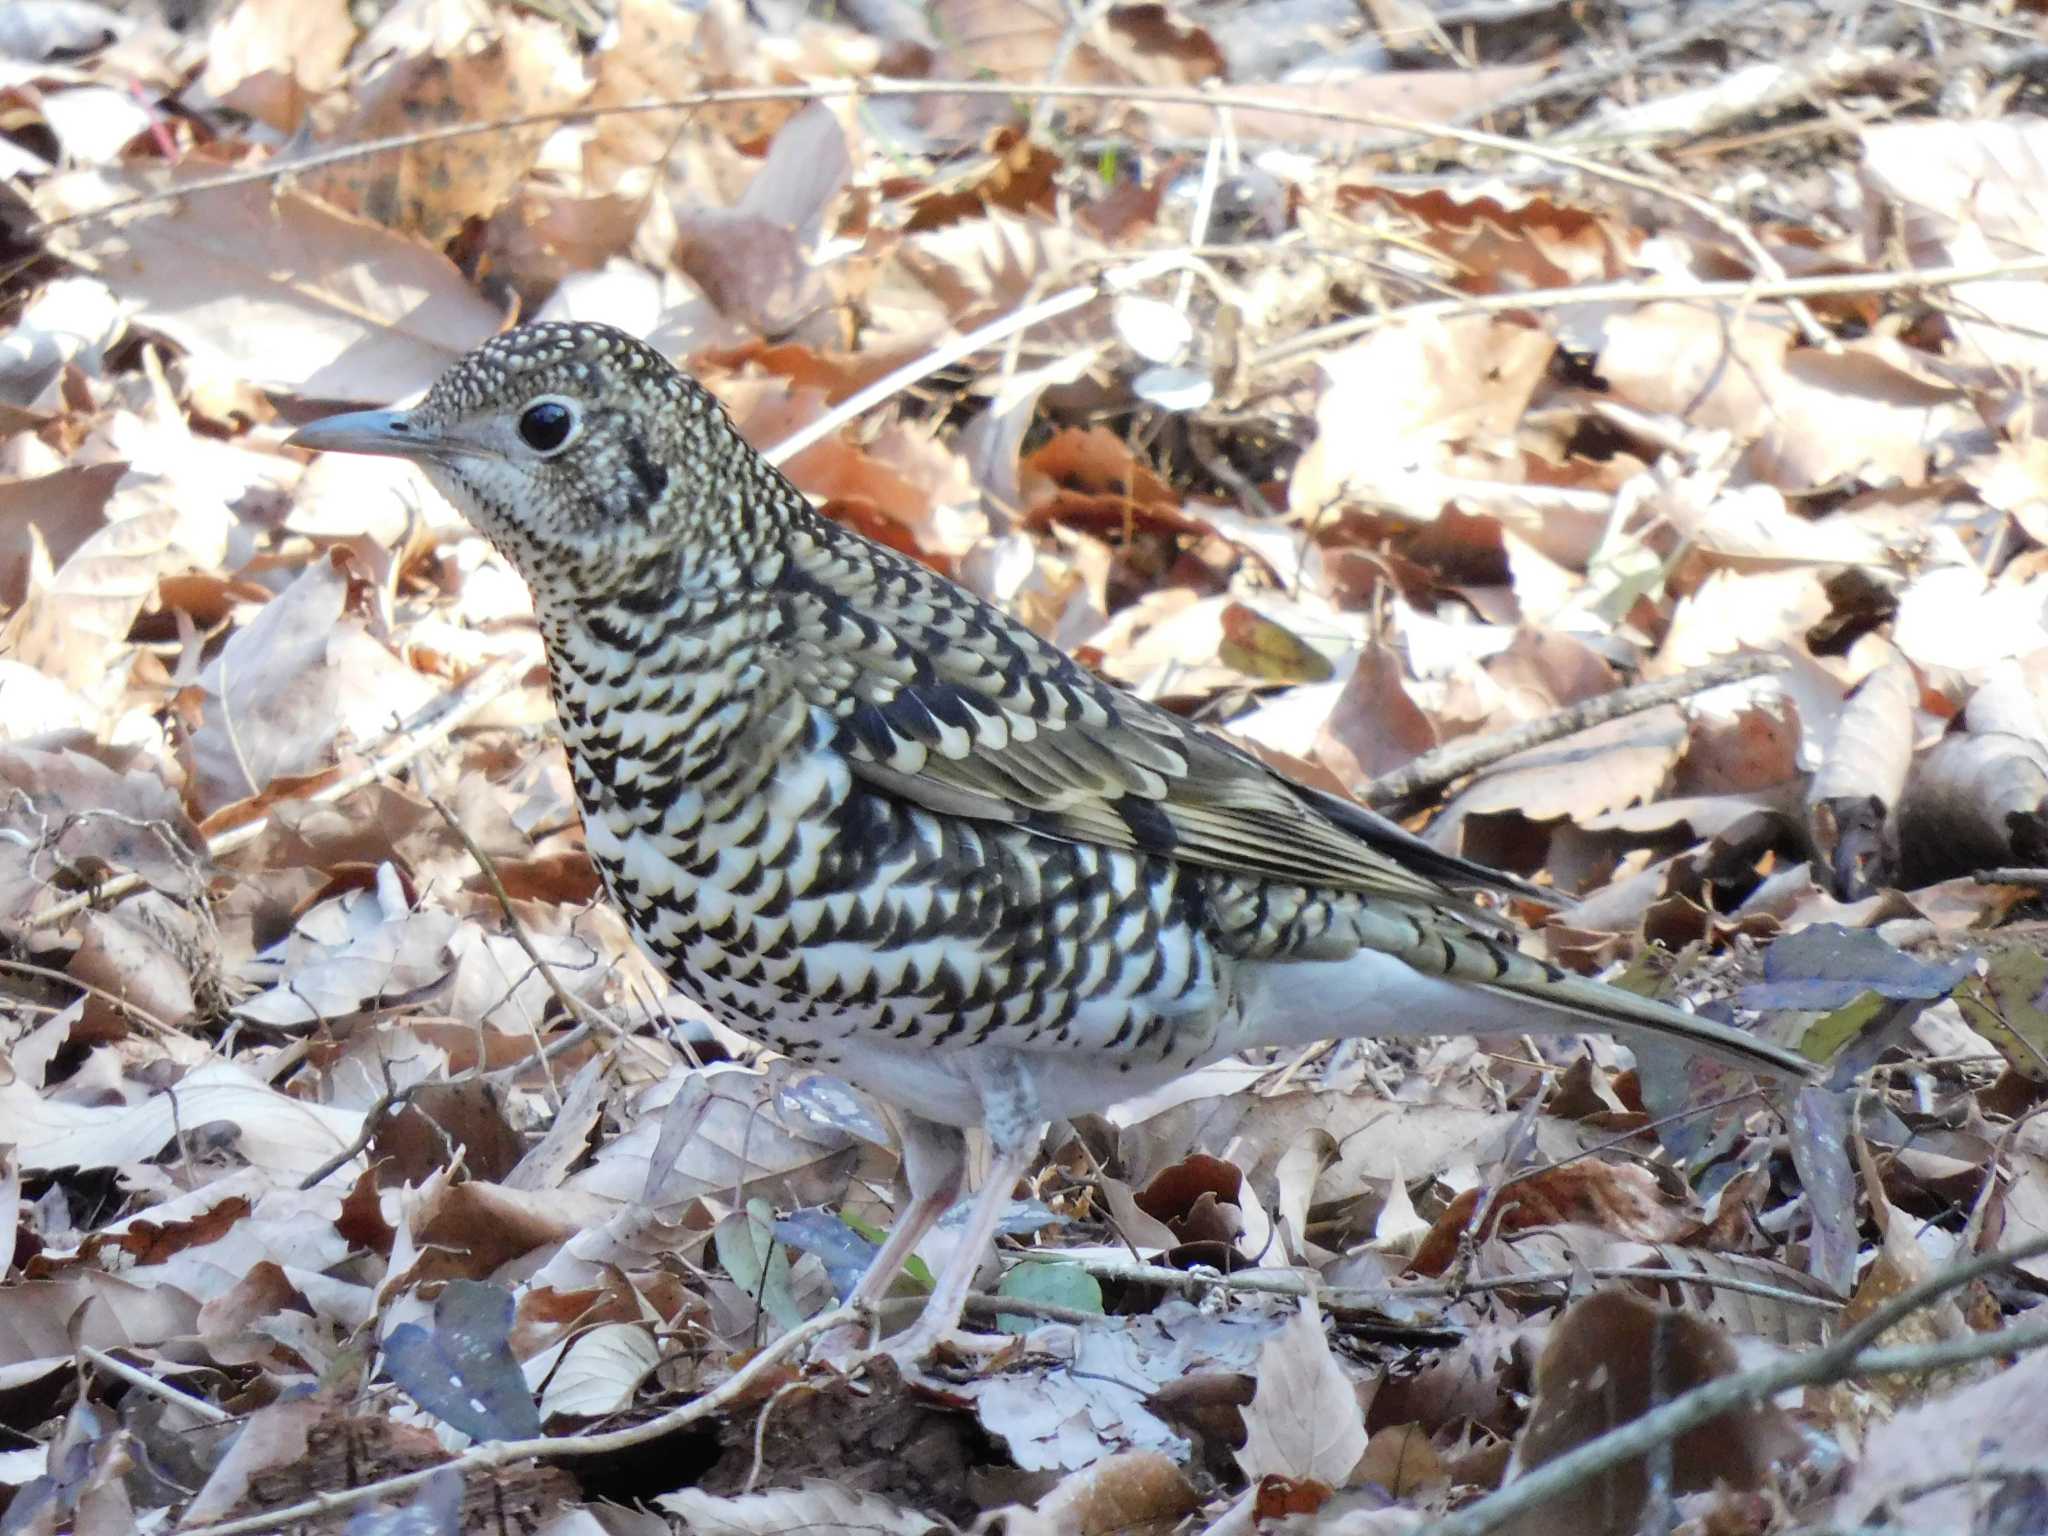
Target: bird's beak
[396, 433]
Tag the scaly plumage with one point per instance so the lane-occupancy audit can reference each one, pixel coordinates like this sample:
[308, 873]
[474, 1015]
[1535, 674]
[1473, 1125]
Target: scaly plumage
[877, 824]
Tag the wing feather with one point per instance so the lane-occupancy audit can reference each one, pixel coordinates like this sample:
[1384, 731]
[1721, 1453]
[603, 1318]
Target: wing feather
[965, 711]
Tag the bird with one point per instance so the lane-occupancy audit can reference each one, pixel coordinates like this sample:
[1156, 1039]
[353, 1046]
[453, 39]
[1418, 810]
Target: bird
[880, 826]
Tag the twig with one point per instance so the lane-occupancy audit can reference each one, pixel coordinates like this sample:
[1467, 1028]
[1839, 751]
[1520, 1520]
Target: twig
[856, 90]
[1849, 1355]
[436, 723]
[1593, 76]
[1341, 1298]
[941, 356]
[1963, 19]
[1739, 290]
[1723, 1395]
[1045, 1311]
[498, 1453]
[142, 1381]
[140, 1014]
[373, 1122]
[1446, 764]
[2020, 875]
[1081, 21]
[1493, 13]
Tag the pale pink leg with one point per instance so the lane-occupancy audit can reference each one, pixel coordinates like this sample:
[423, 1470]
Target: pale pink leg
[1009, 1105]
[935, 1164]
[940, 1320]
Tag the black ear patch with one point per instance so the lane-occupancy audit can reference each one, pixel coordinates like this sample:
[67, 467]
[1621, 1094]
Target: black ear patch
[642, 483]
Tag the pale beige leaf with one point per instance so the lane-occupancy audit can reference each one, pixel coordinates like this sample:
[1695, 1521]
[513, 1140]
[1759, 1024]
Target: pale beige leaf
[276, 288]
[353, 952]
[820, 1509]
[1305, 1420]
[270, 58]
[72, 627]
[600, 1371]
[1403, 401]
[1620, 763]
[273, 1130]
[1971, 195]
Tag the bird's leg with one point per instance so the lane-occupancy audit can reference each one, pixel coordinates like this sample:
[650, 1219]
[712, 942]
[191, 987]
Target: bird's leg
[939, 1323]
[935, 1165]
[1009, 1102]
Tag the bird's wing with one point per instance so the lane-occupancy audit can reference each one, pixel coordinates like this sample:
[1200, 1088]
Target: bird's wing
[945, 701]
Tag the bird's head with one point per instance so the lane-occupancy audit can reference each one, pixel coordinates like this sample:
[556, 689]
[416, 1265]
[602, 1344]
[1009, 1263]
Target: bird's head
[582, 453]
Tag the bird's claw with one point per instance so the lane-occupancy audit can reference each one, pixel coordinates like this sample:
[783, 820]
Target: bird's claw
[850, 1347]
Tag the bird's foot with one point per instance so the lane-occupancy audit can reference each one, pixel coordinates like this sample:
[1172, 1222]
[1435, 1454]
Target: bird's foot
[848, 1348]
[918, 1346]
[842, 1347]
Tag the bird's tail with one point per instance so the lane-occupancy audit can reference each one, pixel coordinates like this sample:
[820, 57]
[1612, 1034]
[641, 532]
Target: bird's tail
[1624, 1014]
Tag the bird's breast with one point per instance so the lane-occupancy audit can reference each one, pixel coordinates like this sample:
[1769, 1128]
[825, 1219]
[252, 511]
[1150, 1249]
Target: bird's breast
[810, 909]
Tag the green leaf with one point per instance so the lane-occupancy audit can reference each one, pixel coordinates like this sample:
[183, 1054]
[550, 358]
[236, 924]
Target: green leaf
[2008, 1005]
[914, 1267]
[1060, 1285]
[758, 1264]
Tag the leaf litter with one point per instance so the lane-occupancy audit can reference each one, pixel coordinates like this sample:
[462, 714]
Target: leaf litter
[1426, 377]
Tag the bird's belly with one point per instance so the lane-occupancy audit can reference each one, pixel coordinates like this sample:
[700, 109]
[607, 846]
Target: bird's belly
[860, 931]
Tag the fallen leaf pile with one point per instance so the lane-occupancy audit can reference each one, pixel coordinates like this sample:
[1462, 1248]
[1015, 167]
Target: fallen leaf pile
[1385, 386]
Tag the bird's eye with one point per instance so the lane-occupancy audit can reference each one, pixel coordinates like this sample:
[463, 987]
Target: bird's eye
[547, 425]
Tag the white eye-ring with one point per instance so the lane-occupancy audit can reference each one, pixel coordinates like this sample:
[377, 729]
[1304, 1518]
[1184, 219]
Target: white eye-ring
[549, 424]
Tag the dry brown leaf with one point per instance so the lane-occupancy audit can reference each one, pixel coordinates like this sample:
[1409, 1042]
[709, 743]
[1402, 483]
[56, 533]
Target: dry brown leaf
[273, 58]
[651, 56]
[72, 821]
[72, 625]
[1374, 725]
[1130, 1493]
[1404, 402]
[1499, 238]
[1609, 1359]
[1922, 1468]
[1861, 779]
[527, 67]
[1807, 418]
[1974, 802]
[1418, 95]
[1617, 1198]
[756, 261]
[1621, 763]
[44, 521]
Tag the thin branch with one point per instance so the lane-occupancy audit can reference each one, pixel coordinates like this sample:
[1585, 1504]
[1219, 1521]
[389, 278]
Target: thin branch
[2013, 875]
[1849, 1355]
[1449, 763]
[858, 90]
[436, 723]
[134, 1011]
[1341, 1298]
[1739, 290]
[498, 1453]
[374, 1119]
[941, 356]
[142, 1381]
